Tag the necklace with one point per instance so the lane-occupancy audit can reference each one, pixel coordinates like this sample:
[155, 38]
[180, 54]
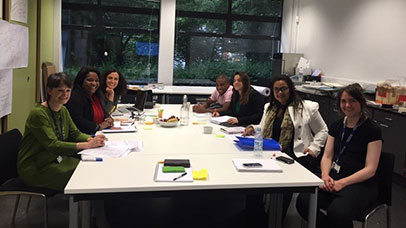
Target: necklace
[59, 130]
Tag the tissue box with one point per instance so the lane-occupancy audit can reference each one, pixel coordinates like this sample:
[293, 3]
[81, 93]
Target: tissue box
[385, 94]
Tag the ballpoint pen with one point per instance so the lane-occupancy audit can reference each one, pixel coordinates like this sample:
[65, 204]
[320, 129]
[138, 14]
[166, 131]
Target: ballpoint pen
[182, 175]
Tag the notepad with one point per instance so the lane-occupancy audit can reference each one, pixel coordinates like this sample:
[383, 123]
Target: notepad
[268, 165]
[200, 174]
[233, 130]
[121, 129]
[220, 119]
[169, 177]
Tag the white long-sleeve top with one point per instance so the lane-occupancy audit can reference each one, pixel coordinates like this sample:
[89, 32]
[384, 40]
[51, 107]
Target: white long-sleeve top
[310, 129]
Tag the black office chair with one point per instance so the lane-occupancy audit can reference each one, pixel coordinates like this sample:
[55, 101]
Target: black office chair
[10, 184]
[384, 177]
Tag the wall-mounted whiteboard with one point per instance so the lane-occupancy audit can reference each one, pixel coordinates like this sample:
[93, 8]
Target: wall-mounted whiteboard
[361, 40]
[19, 10]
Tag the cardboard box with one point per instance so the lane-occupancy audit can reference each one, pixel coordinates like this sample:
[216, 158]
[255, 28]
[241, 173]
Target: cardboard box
[385, 93]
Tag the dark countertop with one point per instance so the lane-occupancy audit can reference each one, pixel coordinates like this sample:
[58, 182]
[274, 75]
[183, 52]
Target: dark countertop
[333, 94]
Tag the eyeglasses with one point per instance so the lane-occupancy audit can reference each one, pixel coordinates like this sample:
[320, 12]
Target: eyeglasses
[282, 89]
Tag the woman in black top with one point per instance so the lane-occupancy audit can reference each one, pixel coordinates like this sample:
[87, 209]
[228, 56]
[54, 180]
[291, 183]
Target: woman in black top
[247, 105]
[84, 105]
[348, 165]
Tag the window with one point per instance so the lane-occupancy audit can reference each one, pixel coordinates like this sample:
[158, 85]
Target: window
[212, 37]
[106, 34]
[225, 36]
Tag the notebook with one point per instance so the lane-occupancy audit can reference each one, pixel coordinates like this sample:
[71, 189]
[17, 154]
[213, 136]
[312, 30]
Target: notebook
[233, 130]
[121, 129]
[172, 177]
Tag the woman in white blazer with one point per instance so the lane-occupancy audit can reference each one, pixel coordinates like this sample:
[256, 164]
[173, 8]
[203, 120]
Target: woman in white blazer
[296, 124]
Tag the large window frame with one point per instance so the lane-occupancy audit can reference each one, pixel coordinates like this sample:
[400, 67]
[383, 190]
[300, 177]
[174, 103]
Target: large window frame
[165, 65]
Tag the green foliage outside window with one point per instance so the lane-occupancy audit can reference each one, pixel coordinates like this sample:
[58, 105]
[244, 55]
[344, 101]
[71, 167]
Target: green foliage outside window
[109, 40]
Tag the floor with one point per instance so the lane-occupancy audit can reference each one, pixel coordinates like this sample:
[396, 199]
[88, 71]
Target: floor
[58, 213]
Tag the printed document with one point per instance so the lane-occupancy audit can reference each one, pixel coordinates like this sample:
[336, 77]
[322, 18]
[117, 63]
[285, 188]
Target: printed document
[114, 149]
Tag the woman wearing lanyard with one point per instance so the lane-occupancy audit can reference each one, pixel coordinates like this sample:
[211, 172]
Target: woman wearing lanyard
[348, 165]
[48, 151]
[84, 106]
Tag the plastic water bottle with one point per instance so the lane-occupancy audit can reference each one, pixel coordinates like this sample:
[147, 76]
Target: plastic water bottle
[184, 112]
[301, 78]
[258, 142]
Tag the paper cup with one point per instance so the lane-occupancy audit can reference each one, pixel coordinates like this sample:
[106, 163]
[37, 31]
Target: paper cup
[207, 129]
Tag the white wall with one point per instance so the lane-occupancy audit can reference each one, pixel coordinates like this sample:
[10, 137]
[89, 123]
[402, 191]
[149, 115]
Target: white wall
[354, 40]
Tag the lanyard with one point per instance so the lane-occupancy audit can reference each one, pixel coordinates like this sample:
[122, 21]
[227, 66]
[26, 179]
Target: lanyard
[59, 132]
[343, 147]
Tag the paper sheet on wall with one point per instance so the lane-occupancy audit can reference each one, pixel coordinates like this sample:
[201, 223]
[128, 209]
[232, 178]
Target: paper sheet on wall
[13, 45]
[19, 10]
[1, 9]
[6, 85]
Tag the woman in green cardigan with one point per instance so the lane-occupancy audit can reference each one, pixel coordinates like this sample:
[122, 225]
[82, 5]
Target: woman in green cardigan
[48, 151]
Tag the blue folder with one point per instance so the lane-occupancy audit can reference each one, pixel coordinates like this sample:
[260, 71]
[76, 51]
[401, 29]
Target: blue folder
[248, 143]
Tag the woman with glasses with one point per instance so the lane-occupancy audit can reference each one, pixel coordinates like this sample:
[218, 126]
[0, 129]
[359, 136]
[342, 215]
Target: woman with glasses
[84, 105]
[246, 105]
[295, 123]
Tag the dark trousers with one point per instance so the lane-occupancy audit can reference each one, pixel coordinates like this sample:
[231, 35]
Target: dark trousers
[310, 163]
[341, 207]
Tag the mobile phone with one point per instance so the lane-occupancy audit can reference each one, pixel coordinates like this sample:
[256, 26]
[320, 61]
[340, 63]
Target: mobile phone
[285, 159]
[252, 165]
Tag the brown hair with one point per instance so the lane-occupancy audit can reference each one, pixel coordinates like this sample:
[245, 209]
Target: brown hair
[357, 92]
[246, 87]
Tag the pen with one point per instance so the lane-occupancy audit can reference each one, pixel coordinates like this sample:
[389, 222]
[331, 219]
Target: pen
[91, 158]
[182, 175]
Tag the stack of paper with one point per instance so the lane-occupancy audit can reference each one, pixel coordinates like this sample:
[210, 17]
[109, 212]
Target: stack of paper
[233, 130]
[114, 149]
[220, 119]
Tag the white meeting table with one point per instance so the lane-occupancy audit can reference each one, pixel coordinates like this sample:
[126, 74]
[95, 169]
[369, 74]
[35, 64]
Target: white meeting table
[134, 174]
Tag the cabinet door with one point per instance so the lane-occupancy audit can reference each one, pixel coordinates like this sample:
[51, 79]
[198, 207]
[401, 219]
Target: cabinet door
[334, 113]
[394, 138]
[324, 104]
